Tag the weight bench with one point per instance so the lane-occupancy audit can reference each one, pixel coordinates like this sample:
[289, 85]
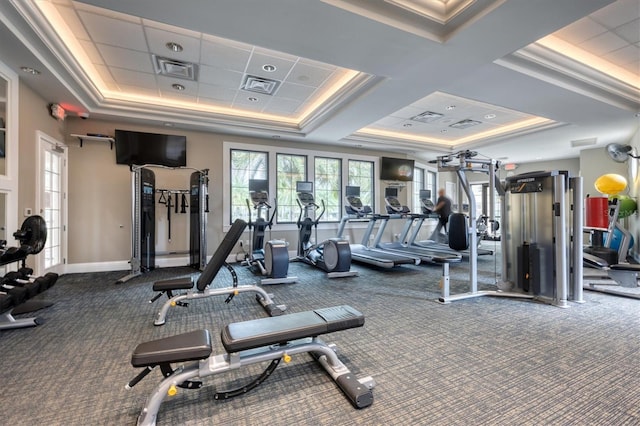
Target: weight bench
[218, 260]
[249, 342]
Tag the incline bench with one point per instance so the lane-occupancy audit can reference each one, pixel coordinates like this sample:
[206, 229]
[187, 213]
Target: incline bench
[249, 342]
[218, 260]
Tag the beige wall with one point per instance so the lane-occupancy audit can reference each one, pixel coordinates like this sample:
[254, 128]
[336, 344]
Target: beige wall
[100, 192]
[33, 116]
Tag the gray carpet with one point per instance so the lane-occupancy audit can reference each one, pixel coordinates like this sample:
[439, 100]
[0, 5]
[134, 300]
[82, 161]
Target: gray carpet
[490, 361]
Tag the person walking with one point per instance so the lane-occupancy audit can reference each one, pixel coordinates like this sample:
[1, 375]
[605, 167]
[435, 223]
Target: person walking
[443, 208]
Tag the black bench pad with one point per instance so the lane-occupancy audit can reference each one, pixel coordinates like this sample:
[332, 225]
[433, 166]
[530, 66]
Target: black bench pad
[173, 284]
[241, 336]
[626, 267]
[191, 346]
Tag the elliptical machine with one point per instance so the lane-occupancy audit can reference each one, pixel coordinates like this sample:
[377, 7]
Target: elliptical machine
[332, 255]
[270, 259]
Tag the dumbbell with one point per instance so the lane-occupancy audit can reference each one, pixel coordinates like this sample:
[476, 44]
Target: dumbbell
[6, 301]
[23, 275]
[18, 293]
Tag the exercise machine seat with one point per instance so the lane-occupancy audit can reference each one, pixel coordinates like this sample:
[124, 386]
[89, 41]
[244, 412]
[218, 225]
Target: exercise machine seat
[458, 232]
[173, 284]
[213, 266]
[261, 332]
[192, 346]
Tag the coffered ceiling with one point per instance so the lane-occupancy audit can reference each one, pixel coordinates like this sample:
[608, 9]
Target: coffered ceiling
[516, 79]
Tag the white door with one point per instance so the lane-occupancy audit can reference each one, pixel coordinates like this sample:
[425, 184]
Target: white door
[53, 203]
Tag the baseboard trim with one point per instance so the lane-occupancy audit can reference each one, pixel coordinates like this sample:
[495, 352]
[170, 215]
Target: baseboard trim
[79, 268]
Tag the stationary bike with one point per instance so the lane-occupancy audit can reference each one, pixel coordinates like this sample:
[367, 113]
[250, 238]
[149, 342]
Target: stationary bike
[270, 259]
[333, 255]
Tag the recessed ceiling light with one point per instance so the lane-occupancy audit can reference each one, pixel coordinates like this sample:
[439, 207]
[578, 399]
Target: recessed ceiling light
[174, 47]
[30, 70]
[178, 87]
[252, 99]
[450, 107]
[269, 67]
[489, 116]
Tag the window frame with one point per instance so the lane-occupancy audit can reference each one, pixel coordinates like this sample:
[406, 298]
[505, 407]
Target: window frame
[229, 206]
[277, 194]
[272, 151]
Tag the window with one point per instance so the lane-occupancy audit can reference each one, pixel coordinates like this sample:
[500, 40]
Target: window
[431, 184]
[289, 170]
[418, 184]
[361, 174]
[328, 187]
[245, 165]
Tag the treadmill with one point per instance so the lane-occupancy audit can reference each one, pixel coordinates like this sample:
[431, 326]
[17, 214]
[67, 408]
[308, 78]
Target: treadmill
[361, 253]
[427, 210]
[395, 210]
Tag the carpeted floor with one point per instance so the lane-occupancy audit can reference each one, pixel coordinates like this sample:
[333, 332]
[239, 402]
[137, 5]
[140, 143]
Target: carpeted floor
[479, 361]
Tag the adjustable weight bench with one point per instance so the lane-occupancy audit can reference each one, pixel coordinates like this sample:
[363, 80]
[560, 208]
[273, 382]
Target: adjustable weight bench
[249, 342]
[218, 260]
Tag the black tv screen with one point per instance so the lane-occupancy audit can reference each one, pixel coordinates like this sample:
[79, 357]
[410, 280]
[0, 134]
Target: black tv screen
[396, 169]
[141, 148]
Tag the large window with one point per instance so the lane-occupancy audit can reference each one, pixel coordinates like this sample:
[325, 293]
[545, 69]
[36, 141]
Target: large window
[361, 174]
[282, 168]
[328, 187]
[289, 170]
[245, 165]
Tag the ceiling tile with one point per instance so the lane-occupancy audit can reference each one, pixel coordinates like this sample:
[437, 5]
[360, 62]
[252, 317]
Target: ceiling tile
[294, 91]
[617, 13]
[158, 39]
[114, 32]
[629, 31]
[71, 18]
[124, 58]
[92, 52]
[220, 77]
[580, 31]
[604, 43]
[283, 106]
[624, 56]
[165, 83]
[212, 92]
[126, 77]
[309, 75]
[224, 56]
[258, 60]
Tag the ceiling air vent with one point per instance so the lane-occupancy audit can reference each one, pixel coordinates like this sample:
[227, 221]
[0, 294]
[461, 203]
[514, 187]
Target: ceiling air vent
[464, 124]
[174, 68]
[427, 117]
[262, 85]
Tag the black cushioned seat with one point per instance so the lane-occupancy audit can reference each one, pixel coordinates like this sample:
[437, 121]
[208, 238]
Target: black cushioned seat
[173, 284]
[261, 332]
[191, 346]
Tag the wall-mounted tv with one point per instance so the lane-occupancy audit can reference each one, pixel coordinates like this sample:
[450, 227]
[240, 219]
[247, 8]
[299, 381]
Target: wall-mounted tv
[141, 148]
[400, 169]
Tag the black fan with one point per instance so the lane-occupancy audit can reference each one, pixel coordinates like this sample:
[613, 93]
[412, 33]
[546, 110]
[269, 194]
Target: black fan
[620, 153]
[33, 234]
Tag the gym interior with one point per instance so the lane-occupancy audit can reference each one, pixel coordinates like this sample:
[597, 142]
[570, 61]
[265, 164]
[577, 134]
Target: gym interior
[251, 191]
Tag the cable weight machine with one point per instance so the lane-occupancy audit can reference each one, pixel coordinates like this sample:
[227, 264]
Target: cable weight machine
[143, 217]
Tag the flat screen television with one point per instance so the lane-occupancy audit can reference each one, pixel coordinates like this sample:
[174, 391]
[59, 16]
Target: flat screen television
[400, 169]
[304, 186]
[141, 148]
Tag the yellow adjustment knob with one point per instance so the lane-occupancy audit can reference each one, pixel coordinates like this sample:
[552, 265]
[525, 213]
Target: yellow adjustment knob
[173, 304]
[235, 293]
[172, 390]
[286, 358]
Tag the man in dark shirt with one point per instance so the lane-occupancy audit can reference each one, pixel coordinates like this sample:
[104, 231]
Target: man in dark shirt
[443, 208]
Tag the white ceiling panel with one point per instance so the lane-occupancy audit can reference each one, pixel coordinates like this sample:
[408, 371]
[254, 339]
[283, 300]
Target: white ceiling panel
[125, 58]
[158, 39]
[604, 43]
[134, 78]
[212, 92]
[220, 55]
[629, 31]
[220, 77]
[295, 91]
[114, 32]
[258, 60]
[309, 75]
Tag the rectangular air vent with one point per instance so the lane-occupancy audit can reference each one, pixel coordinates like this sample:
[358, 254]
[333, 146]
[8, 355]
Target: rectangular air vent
[583, 142]
[174, 68]
[427, 117]
[464, 124]
[262, 85]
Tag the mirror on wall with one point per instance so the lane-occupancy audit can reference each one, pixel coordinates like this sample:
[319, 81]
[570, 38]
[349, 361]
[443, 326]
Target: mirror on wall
[3, 124]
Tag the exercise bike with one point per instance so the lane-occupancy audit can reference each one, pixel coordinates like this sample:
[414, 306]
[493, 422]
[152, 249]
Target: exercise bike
[332, 255]
[270, 259]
